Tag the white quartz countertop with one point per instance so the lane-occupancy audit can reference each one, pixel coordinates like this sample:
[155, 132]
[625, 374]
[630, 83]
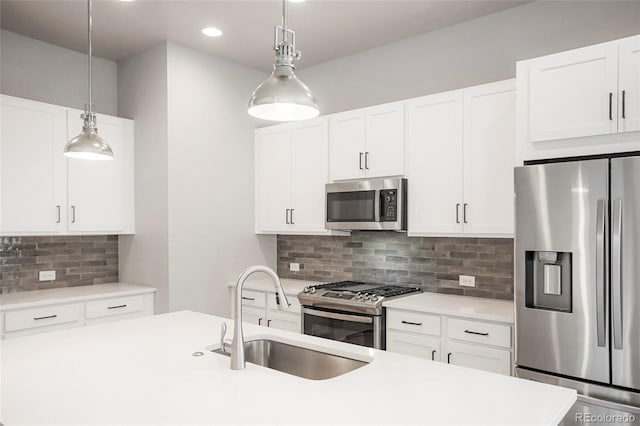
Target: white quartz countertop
[143, 372]
[463, 306]
[27, 299]
[289, 285]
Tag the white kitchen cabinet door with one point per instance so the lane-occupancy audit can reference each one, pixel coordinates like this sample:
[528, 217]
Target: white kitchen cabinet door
[309, 174]
[574, 94]
[273, 178]
[32, 167]
[415, 345]
[479, 357]
[434, 158]
[347, 145]
[283, 321]
[255, 316]
[489, 157]
[98, 191]
[629, 85]
[384, 154]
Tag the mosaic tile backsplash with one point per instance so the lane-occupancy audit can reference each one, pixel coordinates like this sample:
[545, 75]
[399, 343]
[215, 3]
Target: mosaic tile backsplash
[393, 258]
[77, 260]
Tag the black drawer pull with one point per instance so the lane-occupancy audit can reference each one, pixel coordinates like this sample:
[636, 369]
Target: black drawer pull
[411, 323]
[47, 317]
[248, 298]
[116, 307]
[449, 357]
[476, 333]
[433, 355]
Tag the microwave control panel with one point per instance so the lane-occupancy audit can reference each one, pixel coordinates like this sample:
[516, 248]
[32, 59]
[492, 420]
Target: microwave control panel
[388, 205]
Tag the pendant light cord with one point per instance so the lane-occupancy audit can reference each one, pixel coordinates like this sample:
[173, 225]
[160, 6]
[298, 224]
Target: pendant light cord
[285, 21]
[90, 25]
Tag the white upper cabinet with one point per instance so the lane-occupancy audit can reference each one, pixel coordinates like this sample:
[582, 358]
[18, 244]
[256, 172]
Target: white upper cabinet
[291, 171]
[384, 153]
[629, 82]
[367, 142]
[98, 190]
[434, 163]
[460, 156]
[580, 102]
[572, 93]
[43, 192]
[489, 158]
[273, 178]
[32, 168]
[309, 174]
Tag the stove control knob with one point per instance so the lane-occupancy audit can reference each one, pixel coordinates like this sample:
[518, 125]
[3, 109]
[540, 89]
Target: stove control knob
[367, 296]
[374, 298]
[312, 290]
[305, 290]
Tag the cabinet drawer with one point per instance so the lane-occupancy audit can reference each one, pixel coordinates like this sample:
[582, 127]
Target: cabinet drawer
[43, 317]
[294, 307]
[115, 306]
[416, 322]
[254, 298]
[479, 332]
[410, 344]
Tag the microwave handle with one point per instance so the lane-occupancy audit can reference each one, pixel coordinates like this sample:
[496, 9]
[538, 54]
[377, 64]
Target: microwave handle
[377, 206]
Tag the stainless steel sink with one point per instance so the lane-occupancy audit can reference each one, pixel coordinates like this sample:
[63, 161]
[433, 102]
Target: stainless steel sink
[296, 360]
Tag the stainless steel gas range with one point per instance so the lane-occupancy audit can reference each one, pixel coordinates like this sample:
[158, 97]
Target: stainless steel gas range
[349, 311]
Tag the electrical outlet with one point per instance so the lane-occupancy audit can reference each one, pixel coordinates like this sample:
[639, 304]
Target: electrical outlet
[47, 275]
[294, 267]
[467, 281]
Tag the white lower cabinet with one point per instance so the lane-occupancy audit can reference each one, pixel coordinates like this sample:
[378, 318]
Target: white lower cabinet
[56, 316]
[460, 341]
[263, 308]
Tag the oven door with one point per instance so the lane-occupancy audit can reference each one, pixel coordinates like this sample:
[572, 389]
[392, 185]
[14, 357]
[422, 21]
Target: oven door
[363, 330]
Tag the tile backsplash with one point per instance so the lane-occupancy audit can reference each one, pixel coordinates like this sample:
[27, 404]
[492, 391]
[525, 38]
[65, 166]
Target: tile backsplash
[77, 260]
[393, 258]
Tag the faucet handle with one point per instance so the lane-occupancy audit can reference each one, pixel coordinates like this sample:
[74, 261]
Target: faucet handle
[223, 333]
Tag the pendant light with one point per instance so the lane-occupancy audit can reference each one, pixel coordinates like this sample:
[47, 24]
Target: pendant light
[89, 145]
[283, 97]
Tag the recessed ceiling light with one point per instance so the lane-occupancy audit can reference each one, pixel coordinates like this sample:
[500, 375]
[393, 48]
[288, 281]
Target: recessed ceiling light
[211, 32]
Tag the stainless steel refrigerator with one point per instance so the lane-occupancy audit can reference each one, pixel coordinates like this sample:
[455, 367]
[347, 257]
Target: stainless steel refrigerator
[577, 277]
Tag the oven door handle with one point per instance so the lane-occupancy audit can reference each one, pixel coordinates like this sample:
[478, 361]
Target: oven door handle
[334, 315]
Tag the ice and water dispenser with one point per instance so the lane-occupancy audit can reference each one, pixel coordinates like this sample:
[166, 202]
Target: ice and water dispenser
[548, 280]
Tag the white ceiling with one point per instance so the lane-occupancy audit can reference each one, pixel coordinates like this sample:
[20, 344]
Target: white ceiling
[325, 29]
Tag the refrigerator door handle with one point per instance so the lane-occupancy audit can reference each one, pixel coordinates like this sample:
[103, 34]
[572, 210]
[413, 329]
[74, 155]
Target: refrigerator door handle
[600, 275]
[616, 273]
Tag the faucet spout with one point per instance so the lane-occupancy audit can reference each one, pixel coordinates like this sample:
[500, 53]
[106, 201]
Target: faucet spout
[237, 346]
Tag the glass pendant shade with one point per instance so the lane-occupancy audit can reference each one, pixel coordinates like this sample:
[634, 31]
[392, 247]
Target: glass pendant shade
[88, 145]
[283, 97]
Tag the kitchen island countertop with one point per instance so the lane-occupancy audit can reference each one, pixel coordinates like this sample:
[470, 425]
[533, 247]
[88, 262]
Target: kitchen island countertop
[143, 371]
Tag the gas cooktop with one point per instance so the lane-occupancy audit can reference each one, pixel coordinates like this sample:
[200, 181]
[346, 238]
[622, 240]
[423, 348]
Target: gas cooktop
[353, 296]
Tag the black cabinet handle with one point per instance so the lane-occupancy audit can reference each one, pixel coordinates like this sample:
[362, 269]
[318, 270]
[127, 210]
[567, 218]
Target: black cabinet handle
[476, 333]
[47, 317]
[449, 357]
[58, 208]
[366, 160]
[610, 106]
[458, 213]
[286, 216]
[623, 104]
[248, 298]
[411, 323]
[433, 355]
[116, 307]
[259, 321]
[360, 161]
[268, 323]
[291, 217]
[464, 213]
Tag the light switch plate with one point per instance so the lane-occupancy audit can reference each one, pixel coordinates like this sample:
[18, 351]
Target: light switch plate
[294, 267]
[47, 275]
[467, 281]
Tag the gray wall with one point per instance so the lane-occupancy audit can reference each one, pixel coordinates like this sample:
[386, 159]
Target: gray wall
[211, 179]
[44, 72]
[474, 52]
[142, 95]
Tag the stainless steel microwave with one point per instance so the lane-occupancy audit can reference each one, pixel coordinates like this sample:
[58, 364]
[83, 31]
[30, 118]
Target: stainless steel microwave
[375, 204]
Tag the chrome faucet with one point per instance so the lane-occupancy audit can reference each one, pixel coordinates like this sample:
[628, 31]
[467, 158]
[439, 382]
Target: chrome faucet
[237, 346]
